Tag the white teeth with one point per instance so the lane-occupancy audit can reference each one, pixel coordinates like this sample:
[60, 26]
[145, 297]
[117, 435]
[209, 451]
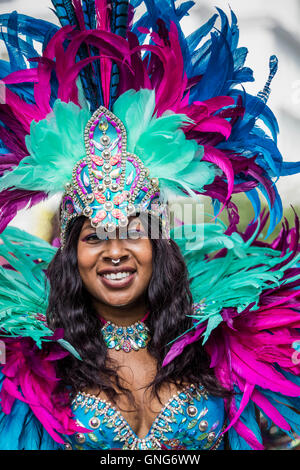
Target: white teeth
[117, 275]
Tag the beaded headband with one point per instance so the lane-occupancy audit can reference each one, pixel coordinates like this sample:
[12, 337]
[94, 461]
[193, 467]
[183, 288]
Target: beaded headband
[109, 184]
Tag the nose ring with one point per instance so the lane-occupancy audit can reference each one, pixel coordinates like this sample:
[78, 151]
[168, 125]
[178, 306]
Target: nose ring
[115, 261]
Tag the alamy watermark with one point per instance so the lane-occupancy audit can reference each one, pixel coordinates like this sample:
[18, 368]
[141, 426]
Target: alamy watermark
[2, 353]
[2, 92]
[177, 220]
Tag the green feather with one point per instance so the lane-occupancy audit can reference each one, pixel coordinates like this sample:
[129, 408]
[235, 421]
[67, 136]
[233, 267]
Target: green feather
[24, 289]
[54, 144]
[234, 280]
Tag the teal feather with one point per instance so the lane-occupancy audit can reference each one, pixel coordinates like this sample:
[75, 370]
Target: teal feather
[54, 148]
[24, 288]
[235, 280]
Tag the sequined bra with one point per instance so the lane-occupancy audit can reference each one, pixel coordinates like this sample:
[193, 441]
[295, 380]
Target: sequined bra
[189, 420]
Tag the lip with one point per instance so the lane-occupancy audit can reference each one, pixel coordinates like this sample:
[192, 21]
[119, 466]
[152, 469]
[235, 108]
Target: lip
[118, 283]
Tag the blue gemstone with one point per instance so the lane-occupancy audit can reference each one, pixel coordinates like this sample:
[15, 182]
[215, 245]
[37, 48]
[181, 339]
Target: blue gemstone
[161, 423]
[129, 330]
[90, 401]
[118, 421]
[111, 344]
[140, 327]
[140, 343]
[101, 405]
[174, 403]
[79, 398]
[148, 444]
[123, 432]
[182, 396]
[130, 440]
[167, 412]
[110, 412]
[119, 331]
[157, 434]
[109, 328]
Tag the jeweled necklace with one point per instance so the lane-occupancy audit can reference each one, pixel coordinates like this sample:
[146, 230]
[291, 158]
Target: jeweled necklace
[127, 338]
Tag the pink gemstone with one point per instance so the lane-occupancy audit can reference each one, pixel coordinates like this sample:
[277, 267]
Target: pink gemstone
[100, 197]
[126, 345]
[117, 213]
[99, 216]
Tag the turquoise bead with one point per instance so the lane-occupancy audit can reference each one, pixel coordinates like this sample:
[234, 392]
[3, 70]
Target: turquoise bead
[101, 405]
[161, 423]
[174, 403]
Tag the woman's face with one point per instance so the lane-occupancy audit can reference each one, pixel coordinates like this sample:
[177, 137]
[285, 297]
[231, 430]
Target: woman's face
[111, 284]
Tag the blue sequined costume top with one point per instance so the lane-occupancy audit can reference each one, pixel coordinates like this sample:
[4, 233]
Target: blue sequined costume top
[189, 420]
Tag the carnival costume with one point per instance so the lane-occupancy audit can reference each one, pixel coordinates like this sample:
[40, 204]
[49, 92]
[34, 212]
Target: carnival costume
[117, 113]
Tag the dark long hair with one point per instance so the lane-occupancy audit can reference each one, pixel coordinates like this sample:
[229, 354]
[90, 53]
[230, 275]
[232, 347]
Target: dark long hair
[169, 301]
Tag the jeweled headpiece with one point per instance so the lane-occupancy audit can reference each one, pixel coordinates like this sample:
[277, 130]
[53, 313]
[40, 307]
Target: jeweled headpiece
[109, 184]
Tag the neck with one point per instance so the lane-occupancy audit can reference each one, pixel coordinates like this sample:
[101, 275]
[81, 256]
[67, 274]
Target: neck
[121, 315]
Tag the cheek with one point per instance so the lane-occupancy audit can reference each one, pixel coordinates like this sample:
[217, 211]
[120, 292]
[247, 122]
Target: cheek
[86, 259]
[145, 259]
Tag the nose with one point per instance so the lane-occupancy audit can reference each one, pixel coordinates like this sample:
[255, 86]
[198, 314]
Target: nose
[115, 250]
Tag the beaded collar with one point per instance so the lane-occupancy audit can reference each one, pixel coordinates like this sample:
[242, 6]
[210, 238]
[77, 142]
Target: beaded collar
[125, 338]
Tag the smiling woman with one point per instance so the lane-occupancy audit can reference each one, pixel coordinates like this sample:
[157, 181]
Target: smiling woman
[143, 310]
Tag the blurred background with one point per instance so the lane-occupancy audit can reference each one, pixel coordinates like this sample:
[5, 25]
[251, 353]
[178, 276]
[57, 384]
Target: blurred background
[266, 28]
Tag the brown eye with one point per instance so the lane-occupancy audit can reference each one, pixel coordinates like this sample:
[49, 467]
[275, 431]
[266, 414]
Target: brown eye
[92, 237]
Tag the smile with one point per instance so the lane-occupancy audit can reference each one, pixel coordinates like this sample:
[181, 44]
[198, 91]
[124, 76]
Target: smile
[117, 276]
[117, 280]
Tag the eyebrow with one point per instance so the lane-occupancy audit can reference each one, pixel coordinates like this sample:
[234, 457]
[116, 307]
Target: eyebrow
[87, 227]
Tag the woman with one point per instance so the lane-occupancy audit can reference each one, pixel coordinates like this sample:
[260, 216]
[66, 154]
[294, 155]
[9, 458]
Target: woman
[153, 292]
[122, 118]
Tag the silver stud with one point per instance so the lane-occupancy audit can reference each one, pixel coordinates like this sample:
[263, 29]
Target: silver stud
[100, 187]
[203, 425]
[80, 438]
[154, 182]
[90, 198]
[106, 154]
[87, 211]
[108, 206]
[105, 140]
[94, 423]
[107, 180]
[192, 411]
[68, 446]
[114, 187]
[211, 436]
